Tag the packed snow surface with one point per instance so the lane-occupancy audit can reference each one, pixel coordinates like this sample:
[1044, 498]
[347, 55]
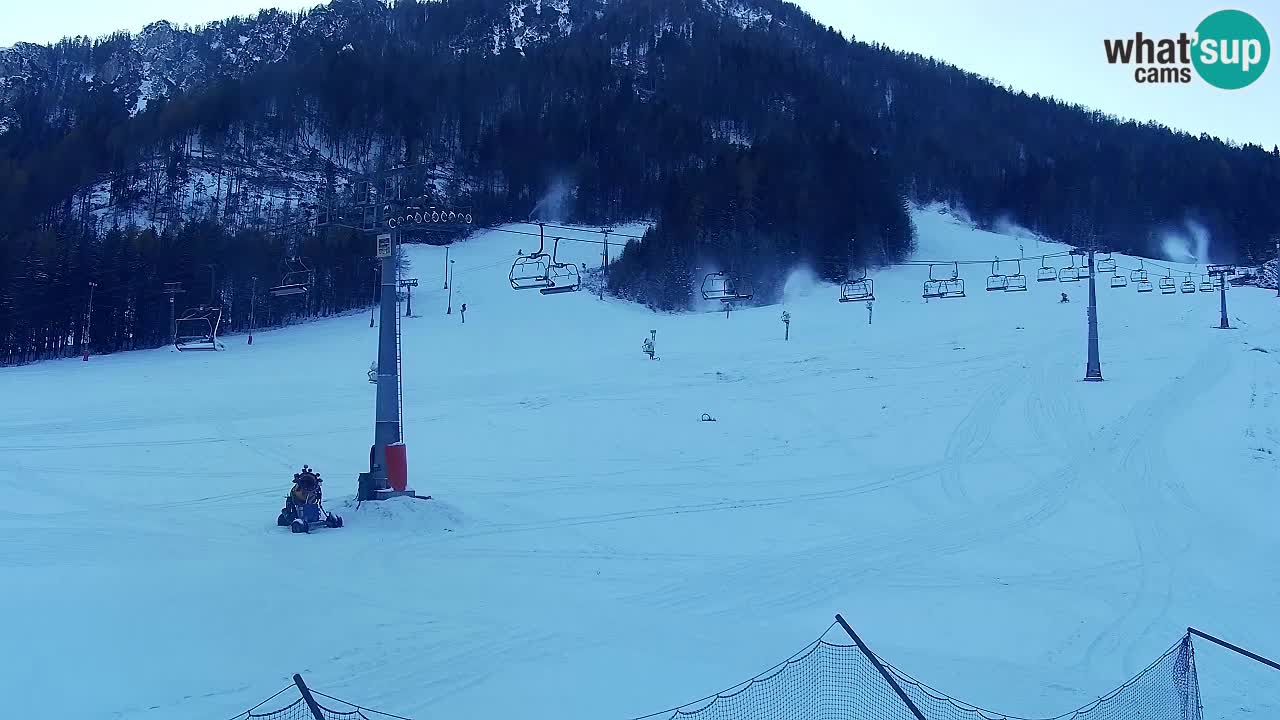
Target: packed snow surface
[990, 523]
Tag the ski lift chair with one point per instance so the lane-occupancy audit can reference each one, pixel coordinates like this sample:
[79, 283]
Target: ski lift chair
[561, 277]
[1017, 282]
[719, 286]
[858, 289]
[996, 281]
[532, 270]
[1118, 280]
[1046, 273]
[1138, 275]
[1166, 285]
[944, 287]
[1187, 285]
[1206, 285]
[197, 329]
[1107, 265]
[1070, 273]
[1144, 285]
[296, 281]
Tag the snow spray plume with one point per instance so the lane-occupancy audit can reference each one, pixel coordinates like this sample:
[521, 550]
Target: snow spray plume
[802, 281]
[1005, 225]
[554, 204]
[1189, 244]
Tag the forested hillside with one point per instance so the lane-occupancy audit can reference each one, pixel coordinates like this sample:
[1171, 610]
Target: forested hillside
[755, 137]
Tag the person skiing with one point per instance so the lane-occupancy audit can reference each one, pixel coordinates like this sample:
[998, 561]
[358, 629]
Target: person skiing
[464, 313]
[1064, 298]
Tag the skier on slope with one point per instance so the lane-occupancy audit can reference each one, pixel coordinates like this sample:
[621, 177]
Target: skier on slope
[1064, 298]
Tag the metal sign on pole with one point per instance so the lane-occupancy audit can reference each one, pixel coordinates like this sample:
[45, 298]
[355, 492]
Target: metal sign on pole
[384, 245]
[409, 284]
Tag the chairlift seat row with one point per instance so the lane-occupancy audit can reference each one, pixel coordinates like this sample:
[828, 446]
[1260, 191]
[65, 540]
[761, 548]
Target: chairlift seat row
[544, 272]
[722, 287]
[297, 279]
[952, 288]
[942, 286]
[1119, 280]
[857, 290]
[197, 329]
[561, 277]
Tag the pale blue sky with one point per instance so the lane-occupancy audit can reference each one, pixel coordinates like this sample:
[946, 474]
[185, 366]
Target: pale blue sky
[1046, 46]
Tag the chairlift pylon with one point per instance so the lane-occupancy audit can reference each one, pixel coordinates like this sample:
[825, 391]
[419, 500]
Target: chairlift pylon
[197, 329]
[858, 289]
[561, 277]
[944, 287]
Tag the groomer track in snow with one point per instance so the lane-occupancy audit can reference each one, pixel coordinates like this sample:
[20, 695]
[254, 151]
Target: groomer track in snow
[594, 550]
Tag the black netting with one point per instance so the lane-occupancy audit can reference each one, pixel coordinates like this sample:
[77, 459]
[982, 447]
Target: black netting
[297, 710]
[342, 714]
[826, 681]
[1168, 689]
[831, 681]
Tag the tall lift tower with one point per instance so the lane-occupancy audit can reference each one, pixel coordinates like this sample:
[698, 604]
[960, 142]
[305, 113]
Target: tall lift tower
[383, 207]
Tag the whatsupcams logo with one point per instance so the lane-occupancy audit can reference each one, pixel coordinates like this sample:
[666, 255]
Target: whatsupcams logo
[1229, 50]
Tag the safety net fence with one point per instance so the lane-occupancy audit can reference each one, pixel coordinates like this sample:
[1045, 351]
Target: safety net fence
[843, 679]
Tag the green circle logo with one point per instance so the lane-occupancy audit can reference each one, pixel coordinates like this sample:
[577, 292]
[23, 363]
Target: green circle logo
[1232, 49]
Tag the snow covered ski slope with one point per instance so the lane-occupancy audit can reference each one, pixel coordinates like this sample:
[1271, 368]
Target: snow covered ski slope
[941, 476]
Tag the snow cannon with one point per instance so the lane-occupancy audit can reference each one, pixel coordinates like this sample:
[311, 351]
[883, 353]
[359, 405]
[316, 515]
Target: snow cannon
[303, 507]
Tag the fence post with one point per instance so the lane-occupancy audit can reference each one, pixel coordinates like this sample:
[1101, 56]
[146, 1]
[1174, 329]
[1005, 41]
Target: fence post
[883, 673]
[311, 701]
[1234, 648]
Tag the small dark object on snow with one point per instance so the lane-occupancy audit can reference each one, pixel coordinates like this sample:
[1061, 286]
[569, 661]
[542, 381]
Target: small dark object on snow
[707, 418]
[1064, 298]
[303, 509]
